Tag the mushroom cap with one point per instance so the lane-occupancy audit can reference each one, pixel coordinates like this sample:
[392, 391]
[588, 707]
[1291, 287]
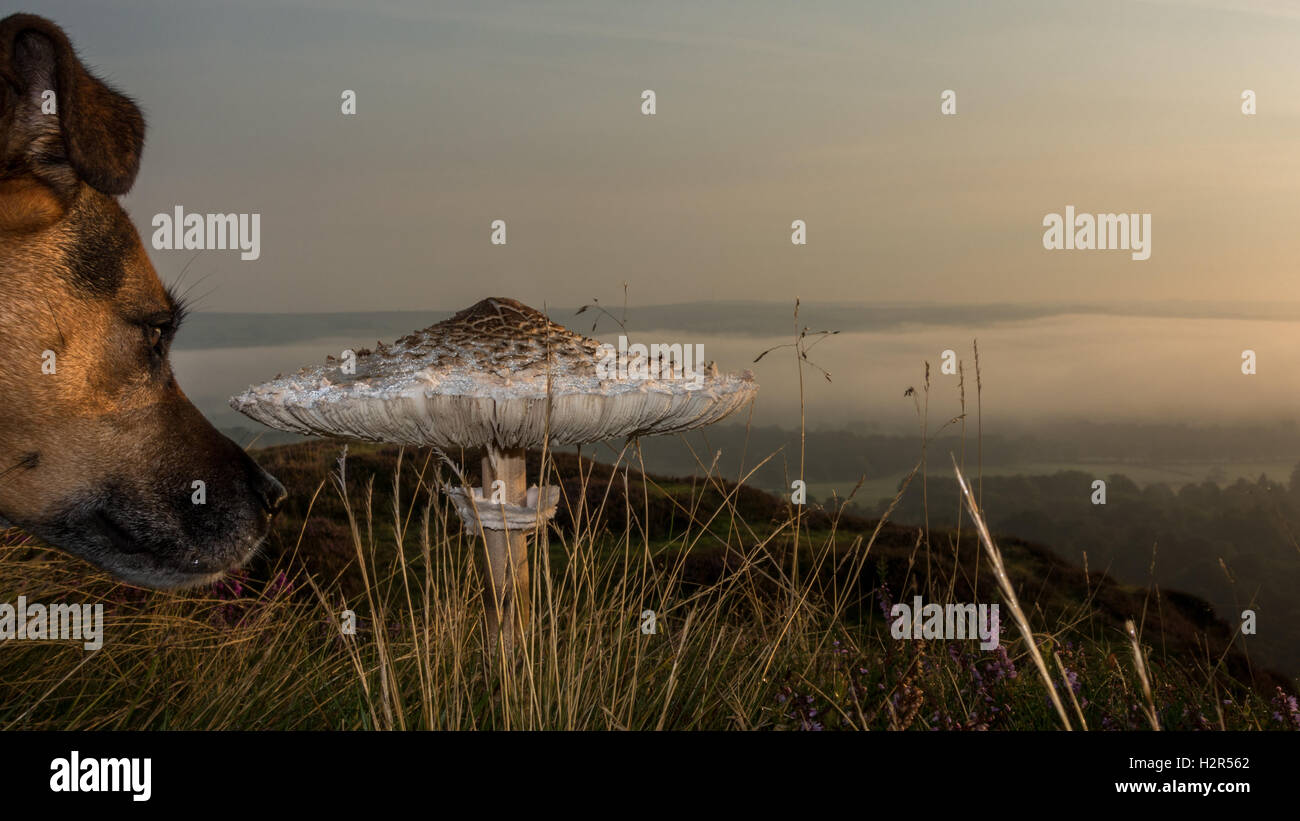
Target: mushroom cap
[497, 373]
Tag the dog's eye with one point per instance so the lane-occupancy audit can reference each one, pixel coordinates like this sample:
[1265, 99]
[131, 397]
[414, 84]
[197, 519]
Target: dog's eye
[155, 334]
[158, 331]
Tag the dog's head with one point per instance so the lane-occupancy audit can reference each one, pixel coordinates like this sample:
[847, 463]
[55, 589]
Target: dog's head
[101, 453]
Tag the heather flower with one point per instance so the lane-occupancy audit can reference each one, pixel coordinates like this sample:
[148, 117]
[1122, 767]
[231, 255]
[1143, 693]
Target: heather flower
[1072, 679]
[1285, 710]
[886, 602]
[1002, 666]
[280, 584]
[228, 588]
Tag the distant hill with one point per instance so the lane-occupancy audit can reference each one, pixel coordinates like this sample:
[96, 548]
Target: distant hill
[734, 317]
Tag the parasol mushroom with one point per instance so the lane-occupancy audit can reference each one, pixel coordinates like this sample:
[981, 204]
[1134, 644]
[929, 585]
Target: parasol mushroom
[500, 376]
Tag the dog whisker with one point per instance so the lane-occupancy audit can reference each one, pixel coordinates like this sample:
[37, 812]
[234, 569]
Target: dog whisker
[27, 461]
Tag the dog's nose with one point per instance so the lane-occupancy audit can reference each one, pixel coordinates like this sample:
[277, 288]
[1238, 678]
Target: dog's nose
[269, 490]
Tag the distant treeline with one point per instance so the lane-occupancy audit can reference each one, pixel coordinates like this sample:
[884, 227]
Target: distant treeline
[847, 455]
[1228, 545]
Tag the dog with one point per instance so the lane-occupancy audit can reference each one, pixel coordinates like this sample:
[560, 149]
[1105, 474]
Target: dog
[101, 454]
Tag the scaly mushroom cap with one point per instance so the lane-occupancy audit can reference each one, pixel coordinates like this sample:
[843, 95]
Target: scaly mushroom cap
[487, 376]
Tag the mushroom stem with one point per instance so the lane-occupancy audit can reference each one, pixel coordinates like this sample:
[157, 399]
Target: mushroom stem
[505, 555]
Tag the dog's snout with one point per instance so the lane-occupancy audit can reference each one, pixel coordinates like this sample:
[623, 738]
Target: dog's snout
[269, 491]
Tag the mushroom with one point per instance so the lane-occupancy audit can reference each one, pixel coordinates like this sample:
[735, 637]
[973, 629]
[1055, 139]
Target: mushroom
[501, 376]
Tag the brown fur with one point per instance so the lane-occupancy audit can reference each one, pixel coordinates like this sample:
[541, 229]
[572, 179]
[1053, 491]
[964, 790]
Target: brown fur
[100, 457]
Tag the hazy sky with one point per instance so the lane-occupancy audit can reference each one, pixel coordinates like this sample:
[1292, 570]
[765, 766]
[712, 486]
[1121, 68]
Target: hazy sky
[767, 112]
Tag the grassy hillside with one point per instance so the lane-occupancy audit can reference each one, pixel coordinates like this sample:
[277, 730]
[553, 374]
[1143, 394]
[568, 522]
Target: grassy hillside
[766, 617]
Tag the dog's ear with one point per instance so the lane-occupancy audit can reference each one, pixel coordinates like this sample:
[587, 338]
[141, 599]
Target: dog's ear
[59, 121]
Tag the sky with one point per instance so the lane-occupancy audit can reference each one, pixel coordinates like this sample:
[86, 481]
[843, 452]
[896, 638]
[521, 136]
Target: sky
[766, 113]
